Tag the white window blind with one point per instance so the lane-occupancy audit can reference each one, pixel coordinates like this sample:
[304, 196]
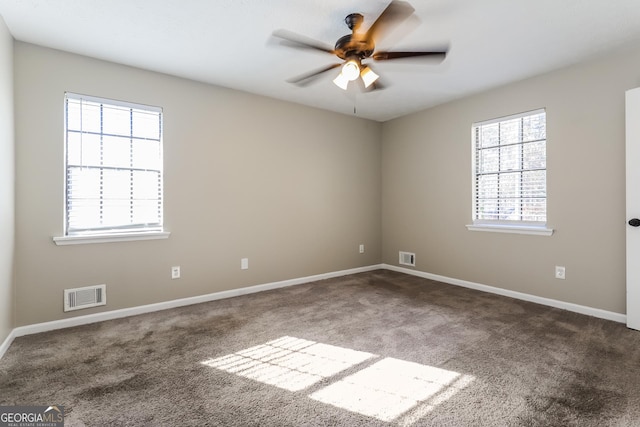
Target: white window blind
[113, 165]
[510, 170]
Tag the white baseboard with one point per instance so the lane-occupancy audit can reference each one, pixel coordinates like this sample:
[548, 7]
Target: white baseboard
[589, 311]
[126, 312]
[7, 342]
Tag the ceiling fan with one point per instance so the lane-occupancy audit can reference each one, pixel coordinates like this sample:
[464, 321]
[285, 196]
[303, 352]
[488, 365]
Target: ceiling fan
[356, 48]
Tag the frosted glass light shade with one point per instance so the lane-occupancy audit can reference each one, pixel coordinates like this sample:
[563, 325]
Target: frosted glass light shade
[341, 81]
[368, 76]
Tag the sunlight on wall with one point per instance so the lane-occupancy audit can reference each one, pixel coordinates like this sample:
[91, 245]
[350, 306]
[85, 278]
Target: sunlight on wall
[289, 363]
[387, 389]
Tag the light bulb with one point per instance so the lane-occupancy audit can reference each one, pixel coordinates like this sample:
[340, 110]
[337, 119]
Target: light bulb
[351, 70]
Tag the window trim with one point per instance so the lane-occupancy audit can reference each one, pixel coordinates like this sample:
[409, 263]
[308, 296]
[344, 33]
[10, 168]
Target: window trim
[110, 238]
[539, 228]
[112, 234]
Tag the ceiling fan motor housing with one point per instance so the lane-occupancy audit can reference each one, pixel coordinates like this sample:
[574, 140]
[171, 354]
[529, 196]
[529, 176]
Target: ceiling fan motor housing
[349, 46]
[354, 46]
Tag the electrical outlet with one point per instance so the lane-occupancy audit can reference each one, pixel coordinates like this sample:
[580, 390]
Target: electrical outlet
[175, 272]
[361, 249]
[244, 263]
[560, 272]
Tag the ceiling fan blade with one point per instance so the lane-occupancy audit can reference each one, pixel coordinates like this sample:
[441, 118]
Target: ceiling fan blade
[383, 56]
[305, 79]
[298, 40]
[395, 12]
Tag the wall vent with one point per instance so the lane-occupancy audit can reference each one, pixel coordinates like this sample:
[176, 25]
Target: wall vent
[89, 296]
[407, 258]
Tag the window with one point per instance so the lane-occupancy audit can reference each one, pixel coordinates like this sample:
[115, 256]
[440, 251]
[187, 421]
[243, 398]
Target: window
[113, 162]
[510, 173]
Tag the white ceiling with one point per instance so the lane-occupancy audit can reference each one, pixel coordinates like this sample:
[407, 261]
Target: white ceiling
[229, 43]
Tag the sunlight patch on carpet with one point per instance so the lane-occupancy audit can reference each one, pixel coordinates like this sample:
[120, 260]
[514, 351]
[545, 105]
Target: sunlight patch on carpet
[289, 363]
[390, 388]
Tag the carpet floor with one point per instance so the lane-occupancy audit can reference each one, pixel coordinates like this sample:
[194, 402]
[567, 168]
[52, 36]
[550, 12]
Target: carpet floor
[372, 349]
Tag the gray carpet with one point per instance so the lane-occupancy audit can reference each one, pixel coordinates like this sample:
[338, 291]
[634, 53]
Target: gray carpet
[371, 349]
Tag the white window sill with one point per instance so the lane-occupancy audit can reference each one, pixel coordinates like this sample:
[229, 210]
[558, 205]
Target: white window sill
[516, 229]
[110, 238]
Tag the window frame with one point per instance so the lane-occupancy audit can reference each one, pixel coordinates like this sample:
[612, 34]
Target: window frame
[121, 232]
[504, 226]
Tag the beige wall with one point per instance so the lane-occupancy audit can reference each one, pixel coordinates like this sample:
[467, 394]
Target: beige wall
[294, 189]
[427, 192]
[7, 181]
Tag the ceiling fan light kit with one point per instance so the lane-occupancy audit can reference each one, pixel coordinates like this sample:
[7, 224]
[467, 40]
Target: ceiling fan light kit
[357, 47]
[351, 70]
